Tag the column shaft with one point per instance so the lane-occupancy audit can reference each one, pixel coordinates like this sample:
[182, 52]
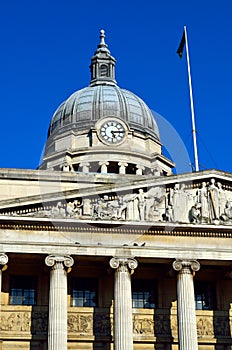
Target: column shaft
[123, 327]
[187, 328]
[57, 325]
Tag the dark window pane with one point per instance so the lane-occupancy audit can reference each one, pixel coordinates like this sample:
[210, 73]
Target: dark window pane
[22, 290]
[144, 294]
[205, 295]
[84, 292]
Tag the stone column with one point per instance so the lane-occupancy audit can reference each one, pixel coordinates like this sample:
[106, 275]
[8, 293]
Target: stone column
[122, 167]
[139, 169]
[3, 262]
[57, 325]
[85, 167]
[123, 327]
[103, 166]
[187, 327]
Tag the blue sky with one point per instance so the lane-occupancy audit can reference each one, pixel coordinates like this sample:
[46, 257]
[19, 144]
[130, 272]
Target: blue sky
[46, 47]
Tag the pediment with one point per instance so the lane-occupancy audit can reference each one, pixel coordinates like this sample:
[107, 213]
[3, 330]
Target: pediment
[202, 198]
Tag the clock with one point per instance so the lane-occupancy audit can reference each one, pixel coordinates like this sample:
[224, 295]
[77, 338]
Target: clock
[112, 131]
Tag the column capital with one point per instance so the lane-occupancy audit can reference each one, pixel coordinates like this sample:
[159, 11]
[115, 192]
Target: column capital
[122, 263]
[185, 265]
[3, 259]
[125, 164]
[65, 260]
[104, 162]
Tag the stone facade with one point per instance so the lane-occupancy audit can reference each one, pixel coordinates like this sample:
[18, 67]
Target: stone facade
[104, 247]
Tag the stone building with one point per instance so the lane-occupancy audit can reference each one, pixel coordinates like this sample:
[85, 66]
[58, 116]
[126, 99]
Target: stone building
[103, 247]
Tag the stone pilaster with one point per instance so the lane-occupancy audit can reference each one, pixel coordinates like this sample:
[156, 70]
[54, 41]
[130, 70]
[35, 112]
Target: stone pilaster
[123, 327]
[3, 262]
[187, 328]
[57, 326]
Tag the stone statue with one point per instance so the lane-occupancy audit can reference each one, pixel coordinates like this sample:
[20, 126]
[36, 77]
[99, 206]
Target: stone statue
[227, 215]
[222, 199]
[180, 201]
[126, 206]
[73, 209]
[202, 199]
[141, 197]
[213, 200]
[195, 213]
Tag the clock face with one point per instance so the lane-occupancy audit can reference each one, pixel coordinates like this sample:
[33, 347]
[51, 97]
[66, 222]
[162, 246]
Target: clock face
[112, 131]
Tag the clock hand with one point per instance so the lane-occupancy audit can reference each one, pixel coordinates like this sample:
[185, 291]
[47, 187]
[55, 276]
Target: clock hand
[115, 132]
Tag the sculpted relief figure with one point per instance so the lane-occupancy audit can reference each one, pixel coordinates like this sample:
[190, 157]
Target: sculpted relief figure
[202, 199]
[212, 200]
[222, 198]
[227, 215]
[209, 205]
[180, 202]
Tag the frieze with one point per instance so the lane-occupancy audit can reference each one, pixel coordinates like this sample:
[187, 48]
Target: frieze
[159, 324]
[209, 203]
[28, 322]
[90, 324]
[80, 324]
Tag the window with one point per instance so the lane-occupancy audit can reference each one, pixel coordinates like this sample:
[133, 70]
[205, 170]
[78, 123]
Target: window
[104, 70]
[205, 295]
[144, 294]
[84, 292]
[23, 290]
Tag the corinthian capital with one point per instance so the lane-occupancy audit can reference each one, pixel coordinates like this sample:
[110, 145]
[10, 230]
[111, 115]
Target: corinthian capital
[123, 263]
[64, 260]
[186, 266]
[3, 259]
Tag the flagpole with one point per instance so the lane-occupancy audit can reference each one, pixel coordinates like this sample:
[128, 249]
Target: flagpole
[191, 104]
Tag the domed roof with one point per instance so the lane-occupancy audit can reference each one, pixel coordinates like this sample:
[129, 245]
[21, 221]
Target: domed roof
[83, 108]
[102, 98]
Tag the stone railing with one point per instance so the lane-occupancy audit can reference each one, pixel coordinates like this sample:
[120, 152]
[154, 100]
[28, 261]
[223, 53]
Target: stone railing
[88, 323]
[27, 320]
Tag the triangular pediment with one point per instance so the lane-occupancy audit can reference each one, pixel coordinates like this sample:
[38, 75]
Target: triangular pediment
[202, 198]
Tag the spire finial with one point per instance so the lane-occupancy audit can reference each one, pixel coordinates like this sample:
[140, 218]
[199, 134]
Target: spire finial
[102, 38]
[102, 64]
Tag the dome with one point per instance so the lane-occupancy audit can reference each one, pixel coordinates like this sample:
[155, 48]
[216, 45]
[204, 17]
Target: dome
[104, 128]
[84, 107]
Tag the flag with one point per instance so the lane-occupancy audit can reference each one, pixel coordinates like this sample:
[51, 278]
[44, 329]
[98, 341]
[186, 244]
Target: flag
[181, 46]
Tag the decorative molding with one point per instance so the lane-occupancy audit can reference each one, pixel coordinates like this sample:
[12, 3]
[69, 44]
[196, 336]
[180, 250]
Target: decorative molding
[185, 266]
[3, 259]
[205, 203]
[65, 260]
[117, 263]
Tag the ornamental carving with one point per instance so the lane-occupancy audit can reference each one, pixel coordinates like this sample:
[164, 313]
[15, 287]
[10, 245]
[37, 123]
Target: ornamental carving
[185, 266]
[80, 323]
[122, 263]
[18, 322]
[207, 203]
[3, 259]
[102, 324]
[65, 260]
[35, 322]
[222, 326]
[205, 327]
[143, 326]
